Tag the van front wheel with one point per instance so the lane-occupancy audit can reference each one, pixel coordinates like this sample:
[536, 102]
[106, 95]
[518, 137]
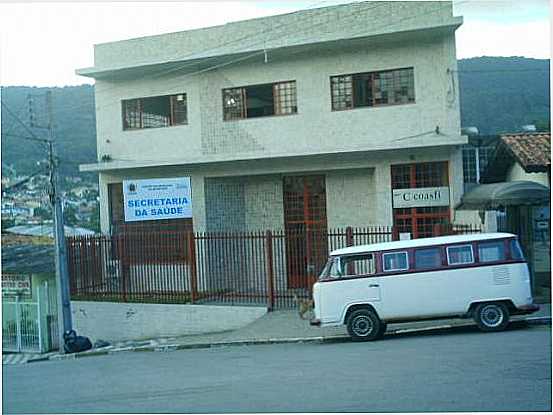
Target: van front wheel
[364, 325]
[491, 316]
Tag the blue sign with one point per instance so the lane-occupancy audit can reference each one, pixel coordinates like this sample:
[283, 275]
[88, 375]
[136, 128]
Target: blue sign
[156, 199]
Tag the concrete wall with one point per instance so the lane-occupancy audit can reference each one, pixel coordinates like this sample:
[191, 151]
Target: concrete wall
[132, 321]
[350, 198]
[314, 129]
[290, 29]
[516, 172]
[358, 188]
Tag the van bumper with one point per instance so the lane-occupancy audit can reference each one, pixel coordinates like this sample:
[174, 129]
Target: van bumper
[527, 309]
[315, 322]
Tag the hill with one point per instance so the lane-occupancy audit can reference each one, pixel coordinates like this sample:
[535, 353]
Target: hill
[497, 94]
[500, 94]
[74, 124]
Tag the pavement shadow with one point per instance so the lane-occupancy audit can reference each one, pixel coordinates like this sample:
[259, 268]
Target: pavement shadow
[445, 331]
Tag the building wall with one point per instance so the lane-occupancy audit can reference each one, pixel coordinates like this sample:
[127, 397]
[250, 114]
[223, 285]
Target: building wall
[351, 198]
[358, 188]
[314, 129]
[516, 172]
[123, 321]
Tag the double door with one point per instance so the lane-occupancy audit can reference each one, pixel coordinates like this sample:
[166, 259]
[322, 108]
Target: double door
[306, 228]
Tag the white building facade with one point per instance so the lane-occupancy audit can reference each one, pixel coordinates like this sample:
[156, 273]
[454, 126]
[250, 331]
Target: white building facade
[333, 117]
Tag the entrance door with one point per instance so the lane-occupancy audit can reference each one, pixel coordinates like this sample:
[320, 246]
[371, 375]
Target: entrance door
[305, 225]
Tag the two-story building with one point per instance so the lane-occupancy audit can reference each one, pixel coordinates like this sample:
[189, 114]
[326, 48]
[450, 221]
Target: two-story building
[323, 118]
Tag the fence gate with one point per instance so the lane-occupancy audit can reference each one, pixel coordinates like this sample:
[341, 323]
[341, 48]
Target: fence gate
[30, 326]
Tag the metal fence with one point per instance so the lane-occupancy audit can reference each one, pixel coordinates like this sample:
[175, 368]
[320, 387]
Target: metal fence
[30, 325]
[239, 268]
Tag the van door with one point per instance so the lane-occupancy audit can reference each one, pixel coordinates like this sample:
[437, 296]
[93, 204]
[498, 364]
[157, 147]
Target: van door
[349, 282]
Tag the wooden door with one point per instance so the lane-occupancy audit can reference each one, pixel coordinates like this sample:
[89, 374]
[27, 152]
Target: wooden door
[306, 227]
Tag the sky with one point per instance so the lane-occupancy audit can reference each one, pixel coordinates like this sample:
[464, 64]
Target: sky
[42, 43]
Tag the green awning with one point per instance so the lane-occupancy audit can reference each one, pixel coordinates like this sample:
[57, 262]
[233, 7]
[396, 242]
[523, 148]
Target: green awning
[494, 195]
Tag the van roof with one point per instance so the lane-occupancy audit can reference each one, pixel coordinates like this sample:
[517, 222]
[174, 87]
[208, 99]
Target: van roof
[415, 243]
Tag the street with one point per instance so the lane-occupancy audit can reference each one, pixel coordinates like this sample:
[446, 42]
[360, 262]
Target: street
[459, 370]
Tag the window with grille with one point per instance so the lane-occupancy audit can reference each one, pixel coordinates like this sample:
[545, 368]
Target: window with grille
[420, 222]
[154, 112]
[279, 98]
[369, 89]
[475, 158]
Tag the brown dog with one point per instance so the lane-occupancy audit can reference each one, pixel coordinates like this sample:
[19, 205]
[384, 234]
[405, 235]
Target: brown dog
[304, 306]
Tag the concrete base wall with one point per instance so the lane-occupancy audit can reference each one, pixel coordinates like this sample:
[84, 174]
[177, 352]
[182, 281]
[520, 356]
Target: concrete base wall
[134, 321]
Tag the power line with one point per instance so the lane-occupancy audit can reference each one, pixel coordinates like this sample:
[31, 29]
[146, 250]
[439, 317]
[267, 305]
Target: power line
[232, 61]
[32, 137]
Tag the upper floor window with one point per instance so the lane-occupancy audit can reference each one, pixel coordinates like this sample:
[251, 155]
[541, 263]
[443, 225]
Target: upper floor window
[153, 112]
[371, 89]
[260, 100]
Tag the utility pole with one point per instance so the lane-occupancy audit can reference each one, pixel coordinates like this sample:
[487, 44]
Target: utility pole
[62, 274]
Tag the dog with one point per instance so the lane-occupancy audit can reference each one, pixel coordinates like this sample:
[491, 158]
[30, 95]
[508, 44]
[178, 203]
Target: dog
[304, 306]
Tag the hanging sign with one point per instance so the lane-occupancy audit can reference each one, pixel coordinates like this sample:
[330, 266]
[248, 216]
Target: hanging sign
[16, 284]
[156, 199]
[421, 197]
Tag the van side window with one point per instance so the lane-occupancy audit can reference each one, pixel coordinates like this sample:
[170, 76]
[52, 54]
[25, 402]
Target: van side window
[491, 251]
[460, 254]
[516, 250]
[395, 261]
[358, 264]
[428, 258]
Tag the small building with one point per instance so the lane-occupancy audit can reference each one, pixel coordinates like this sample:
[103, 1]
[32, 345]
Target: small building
[516, 188]
[29, 302]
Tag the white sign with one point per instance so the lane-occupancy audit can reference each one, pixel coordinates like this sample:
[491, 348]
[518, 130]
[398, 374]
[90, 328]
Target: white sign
[421, 197]
[16, 284]
[156, 199]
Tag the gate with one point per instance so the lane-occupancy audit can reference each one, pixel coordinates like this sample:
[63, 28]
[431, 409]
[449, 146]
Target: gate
[30, 326]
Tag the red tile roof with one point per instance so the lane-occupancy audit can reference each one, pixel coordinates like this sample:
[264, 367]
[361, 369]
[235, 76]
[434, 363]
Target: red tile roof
[531, 150]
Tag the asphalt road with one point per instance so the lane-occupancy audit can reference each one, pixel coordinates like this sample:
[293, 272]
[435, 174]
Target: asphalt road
[454, 371]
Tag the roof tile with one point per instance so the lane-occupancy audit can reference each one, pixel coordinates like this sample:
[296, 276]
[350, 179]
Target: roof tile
[531, 150]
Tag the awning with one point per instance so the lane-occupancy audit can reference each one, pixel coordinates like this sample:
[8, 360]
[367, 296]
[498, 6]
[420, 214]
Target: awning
[516, 193]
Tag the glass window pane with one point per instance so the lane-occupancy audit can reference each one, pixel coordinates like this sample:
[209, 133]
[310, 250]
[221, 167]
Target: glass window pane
[516, 251]
[428, 258]
[491, 251]
[359, 265]
[396, 261]
[461, 254]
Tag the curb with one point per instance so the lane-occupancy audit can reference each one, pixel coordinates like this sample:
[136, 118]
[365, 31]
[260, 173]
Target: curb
[318, 339]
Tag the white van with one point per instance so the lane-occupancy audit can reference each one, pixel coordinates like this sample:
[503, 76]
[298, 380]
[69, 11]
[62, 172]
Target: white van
[480, 276]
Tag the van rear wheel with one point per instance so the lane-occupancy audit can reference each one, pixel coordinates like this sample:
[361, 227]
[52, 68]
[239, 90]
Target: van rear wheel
[491, 316]
[364, 325]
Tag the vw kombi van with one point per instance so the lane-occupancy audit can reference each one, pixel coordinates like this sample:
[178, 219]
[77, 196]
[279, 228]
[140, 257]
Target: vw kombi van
[479, 276]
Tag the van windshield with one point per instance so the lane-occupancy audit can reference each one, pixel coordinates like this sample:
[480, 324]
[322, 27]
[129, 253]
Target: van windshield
[332, 269]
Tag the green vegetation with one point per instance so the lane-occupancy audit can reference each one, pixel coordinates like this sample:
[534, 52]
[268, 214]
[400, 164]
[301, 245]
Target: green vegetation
[502, 94]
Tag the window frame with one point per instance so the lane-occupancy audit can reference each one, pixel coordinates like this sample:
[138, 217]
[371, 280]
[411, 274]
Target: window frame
[344, 266]
[384, 270]
[439, 248]
[470, 245]
[371, 75]
[493, 241]
[140, 104]
[243, 111]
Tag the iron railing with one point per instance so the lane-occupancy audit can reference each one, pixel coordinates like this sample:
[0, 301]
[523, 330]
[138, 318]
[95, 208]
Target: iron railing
[239, 268]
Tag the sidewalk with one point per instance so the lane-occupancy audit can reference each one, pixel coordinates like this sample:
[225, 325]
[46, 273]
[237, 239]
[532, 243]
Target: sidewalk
[283, 326]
